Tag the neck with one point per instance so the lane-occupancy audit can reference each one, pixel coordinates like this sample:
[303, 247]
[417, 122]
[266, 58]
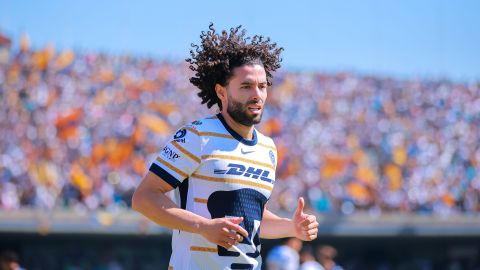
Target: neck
[245, 131]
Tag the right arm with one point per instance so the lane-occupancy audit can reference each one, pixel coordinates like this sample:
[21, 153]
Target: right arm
[150, 200]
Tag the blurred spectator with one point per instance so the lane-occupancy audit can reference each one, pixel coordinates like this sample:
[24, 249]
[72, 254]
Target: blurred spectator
[9, 261]
[285, 256]
[326, 256]
[5, 44]
[307, 260]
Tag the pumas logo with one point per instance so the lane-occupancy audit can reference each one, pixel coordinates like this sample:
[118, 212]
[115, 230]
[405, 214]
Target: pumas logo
[272, 157]
[180, 136]
[169, 153]
[251, 172]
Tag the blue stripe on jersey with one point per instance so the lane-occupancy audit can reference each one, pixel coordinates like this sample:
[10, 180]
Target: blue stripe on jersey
[183, 190]
[241, 266]
[236, 135]
[167, 177]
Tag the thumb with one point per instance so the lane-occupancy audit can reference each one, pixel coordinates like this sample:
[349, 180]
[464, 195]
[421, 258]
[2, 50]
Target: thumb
[235, 220]
[301, 205]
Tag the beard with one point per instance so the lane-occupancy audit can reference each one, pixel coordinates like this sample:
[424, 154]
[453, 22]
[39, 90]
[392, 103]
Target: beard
[239, 113]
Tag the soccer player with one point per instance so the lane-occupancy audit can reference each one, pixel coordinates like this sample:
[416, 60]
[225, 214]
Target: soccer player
[221, 168]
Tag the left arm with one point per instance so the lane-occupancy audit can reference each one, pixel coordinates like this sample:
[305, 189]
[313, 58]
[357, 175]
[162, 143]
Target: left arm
[301, 225]
[273, 226]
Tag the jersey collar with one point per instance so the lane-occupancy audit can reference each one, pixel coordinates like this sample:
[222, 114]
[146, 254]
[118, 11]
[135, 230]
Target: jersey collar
[237, 136]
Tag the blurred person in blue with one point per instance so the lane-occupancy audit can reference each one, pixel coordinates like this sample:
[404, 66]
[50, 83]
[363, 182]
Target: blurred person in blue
[221, 168]
[285, 256]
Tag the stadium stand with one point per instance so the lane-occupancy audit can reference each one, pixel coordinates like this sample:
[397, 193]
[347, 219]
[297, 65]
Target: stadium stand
[374, 156]
[79, 129]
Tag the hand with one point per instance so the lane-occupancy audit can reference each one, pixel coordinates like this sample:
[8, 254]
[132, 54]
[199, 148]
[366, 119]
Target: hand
[305, 226]
[224, 232]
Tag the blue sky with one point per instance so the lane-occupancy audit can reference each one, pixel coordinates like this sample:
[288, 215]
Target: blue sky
[400, 38]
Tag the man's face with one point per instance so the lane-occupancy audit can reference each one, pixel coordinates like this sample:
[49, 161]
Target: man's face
[246, 94]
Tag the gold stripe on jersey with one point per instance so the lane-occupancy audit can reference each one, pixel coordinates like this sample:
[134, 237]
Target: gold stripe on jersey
[203, 249]
[215, 134]
[270, 166]
[200, 200]
[171, 167]
[233, 181]
[222, 135]
[183, 150]
[194, 131]
[267, 146]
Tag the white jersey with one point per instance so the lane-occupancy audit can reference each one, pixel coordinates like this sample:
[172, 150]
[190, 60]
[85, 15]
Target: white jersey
[218, 174]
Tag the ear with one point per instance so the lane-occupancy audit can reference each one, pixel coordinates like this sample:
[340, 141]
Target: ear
[221, 93]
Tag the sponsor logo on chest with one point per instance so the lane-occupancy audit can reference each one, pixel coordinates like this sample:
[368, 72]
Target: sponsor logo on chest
[251, 172]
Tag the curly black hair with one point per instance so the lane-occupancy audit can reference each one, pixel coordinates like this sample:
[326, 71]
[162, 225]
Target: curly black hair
[215, 59]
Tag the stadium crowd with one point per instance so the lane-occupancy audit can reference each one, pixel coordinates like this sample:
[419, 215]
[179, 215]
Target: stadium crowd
[79, 129]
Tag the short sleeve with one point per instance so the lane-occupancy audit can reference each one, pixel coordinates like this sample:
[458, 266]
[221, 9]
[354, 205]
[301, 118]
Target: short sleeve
[179, 158]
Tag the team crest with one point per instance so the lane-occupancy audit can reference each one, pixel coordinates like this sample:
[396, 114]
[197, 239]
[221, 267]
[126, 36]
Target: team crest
[272, 157]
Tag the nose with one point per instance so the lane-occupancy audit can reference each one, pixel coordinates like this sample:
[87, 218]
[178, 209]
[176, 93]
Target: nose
[257, 94]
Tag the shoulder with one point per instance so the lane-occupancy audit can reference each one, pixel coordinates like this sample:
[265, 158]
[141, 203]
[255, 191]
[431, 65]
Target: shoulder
[199, 126]
[265, 141]
[206, 124]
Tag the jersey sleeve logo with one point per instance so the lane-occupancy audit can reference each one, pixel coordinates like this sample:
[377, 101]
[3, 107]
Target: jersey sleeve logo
[180, 136]
[170, 154]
